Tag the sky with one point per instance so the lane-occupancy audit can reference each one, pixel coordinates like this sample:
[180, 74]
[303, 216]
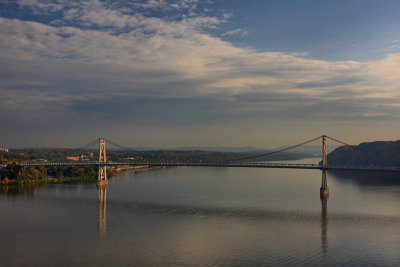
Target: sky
[160, 73]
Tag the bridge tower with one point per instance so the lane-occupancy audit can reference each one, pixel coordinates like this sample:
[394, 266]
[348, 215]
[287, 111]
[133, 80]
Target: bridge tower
[102, 177]
[324, 190]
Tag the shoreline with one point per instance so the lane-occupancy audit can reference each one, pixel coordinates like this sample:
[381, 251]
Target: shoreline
[5, 186]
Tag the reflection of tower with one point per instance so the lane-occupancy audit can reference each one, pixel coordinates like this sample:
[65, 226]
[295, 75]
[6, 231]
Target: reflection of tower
[102, 191]
[324, 223]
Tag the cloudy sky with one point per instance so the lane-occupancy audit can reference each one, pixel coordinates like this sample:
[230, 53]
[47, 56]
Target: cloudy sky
[162, 73]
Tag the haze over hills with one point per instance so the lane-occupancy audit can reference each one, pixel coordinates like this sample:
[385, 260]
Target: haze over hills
[220, 149]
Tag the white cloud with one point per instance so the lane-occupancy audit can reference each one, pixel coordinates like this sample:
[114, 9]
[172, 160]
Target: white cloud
[238, 31]
[167, 5]
[181, 46]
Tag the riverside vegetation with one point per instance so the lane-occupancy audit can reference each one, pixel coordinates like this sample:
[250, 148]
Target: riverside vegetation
[16, 174]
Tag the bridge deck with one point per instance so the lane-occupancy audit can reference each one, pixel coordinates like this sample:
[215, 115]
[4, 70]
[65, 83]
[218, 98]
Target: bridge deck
[216, 164]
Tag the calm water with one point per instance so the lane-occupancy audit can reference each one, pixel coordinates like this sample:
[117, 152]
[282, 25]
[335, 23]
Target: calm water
[206, 217]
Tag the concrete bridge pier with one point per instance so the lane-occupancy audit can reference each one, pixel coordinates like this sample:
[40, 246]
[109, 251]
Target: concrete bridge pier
[324, 190]
[102, 177]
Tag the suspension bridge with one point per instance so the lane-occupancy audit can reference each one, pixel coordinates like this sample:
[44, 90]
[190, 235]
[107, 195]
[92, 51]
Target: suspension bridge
[311, 154]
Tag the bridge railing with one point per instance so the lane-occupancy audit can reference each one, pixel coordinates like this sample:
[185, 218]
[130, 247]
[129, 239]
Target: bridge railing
[215, 164]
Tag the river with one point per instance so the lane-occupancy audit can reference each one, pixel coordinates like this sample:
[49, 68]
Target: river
[206, 216]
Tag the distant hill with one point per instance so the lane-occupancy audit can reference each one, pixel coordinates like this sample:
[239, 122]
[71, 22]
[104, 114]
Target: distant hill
[379, 153]
[222, 149]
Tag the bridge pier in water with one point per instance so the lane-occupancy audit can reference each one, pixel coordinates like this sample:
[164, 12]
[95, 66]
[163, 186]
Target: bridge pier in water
[324, 190]
[102, 176]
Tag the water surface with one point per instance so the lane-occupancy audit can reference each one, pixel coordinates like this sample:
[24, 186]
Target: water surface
[205, 216]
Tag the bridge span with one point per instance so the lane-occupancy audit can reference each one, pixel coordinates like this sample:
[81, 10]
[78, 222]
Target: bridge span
[303, 150]
[217, 164]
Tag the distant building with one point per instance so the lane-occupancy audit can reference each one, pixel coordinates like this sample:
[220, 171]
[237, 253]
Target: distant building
[81, 157]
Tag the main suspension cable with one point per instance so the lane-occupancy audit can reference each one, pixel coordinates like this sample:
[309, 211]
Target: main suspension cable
[274, 152]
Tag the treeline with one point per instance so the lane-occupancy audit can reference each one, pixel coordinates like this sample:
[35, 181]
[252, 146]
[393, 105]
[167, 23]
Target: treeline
[15, 172]
[10, 168]
[23, 155]
[197, 156]
[60, 155]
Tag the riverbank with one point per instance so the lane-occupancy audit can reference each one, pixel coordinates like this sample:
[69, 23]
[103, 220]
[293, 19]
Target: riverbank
[131, 168]
[17, 186]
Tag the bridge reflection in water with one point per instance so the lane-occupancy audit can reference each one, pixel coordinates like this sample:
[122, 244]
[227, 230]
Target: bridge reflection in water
[102, 208]
[324, 222]
[102, 193]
